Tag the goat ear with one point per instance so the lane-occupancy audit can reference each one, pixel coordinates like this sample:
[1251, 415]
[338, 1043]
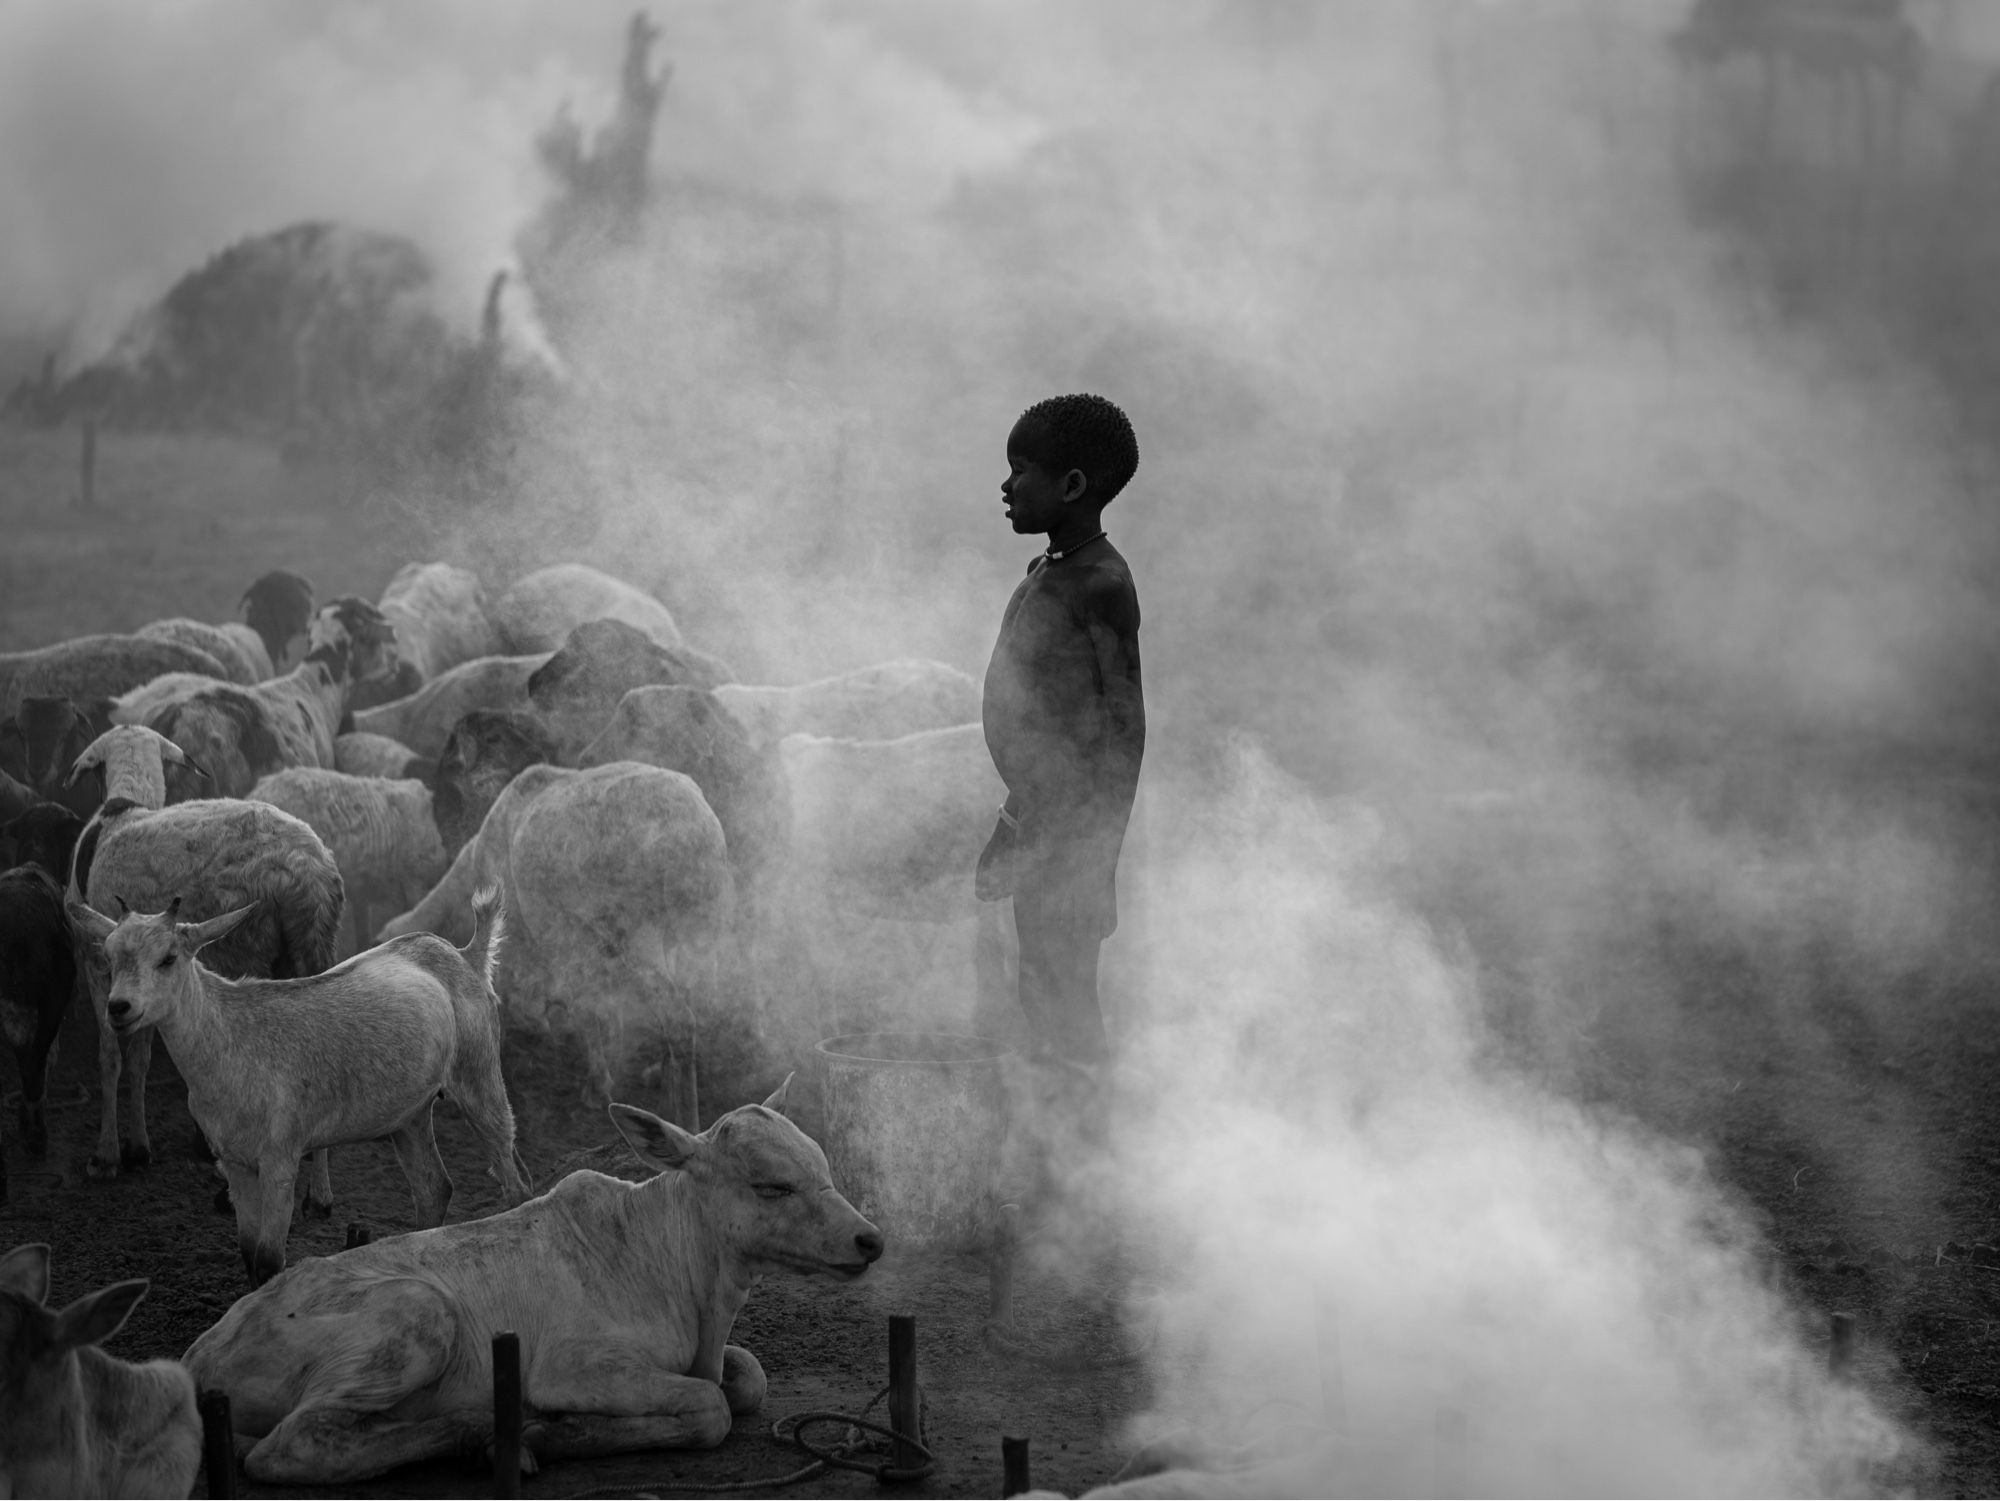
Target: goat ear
[88, 921]
[95, 1317]
[776, 1102]
[92, 755]
[25, 1270]
[660, 1143]
[199, 934]
[123, 905]
[173, 909]
[170, 753]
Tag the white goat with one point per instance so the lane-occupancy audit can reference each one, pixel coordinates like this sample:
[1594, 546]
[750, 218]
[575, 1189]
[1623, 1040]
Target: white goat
[220, 854]
[540, 609]
[242, 733]
[276, 1068]
[90, 669]
[439, 613]
[361, 754]
[383, 834]
[73, 1420]
[242, 655]
[424, 720]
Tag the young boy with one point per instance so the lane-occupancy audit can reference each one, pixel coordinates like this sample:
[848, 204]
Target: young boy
[1065, 719]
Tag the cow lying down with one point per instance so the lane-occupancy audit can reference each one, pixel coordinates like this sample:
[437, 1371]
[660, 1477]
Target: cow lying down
[623, 1294]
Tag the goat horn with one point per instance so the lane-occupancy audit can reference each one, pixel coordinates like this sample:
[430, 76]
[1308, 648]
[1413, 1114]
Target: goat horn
[173, 907]
[122, 907]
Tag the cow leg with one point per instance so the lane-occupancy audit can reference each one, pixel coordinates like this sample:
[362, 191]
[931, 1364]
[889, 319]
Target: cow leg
[430, 1185]
[334, 1445]
[481, 1095]
[319, 1188]
[605, 1395]
[138, 1063]
[279, 1172]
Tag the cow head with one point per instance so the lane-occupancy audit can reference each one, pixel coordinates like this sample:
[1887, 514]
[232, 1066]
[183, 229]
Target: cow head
[765, 1188]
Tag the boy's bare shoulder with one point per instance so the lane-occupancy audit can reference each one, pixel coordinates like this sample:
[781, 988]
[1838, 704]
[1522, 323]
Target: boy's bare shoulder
[1106, 593]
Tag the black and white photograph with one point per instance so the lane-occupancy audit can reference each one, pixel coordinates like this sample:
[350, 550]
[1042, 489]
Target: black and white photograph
[1120, 748]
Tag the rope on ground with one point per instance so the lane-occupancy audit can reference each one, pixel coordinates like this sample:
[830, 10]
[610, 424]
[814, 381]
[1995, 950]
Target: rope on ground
[844, 1456]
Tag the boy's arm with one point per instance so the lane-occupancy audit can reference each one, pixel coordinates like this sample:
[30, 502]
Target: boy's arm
[1111, 612]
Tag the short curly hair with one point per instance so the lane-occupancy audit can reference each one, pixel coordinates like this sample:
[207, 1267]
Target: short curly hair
[1080, 432]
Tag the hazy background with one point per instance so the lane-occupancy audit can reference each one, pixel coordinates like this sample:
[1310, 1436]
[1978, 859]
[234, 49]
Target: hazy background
[1547, 586]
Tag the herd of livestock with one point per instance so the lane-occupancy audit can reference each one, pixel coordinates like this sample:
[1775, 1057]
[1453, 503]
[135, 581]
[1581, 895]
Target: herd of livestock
[325, 852]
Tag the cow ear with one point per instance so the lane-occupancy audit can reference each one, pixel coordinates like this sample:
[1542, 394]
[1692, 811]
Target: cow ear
[776, 1102]
[660, 1143]
[25, 1270]
[95, 1317]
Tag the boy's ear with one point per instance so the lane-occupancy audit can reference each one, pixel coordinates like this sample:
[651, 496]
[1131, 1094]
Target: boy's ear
[1075, 484]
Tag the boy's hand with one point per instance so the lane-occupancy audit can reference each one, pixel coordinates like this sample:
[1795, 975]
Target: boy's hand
[993, 881]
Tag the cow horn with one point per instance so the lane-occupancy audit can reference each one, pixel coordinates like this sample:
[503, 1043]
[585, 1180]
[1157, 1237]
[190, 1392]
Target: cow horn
[776, 1102]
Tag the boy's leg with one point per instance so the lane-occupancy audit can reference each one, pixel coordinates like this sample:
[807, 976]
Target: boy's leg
[1058, 981]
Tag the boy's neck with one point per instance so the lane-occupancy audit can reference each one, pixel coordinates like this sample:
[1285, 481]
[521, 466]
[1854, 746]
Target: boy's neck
[1072, 532]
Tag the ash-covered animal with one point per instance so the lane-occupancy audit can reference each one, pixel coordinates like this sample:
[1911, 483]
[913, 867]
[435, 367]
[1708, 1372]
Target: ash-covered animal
[439, 613]
[279, 1068]
[277, 608]
[488, 748]
[215, 855]
[883, 702]
[624, 1296]
[364, 755]
[577, 690]
[73, 1420]
[540, 609]
[382, 833]
[92, 669]
[37, 979]
[242, 657]
[619, 885]
[40, 743]
[239, 734]
[424, 720]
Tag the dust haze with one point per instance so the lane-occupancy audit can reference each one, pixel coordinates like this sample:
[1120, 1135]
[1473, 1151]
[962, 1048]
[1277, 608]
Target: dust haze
[1519, 579]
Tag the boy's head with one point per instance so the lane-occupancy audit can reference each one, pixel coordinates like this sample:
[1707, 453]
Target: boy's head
[1082, 436]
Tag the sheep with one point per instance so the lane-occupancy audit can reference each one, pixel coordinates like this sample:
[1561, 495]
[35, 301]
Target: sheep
[277, 608]
[619, 881]
[439, 613]
[73, 1420]
[382, 833]
[487, 750]
[90, 669]
[38, 745]
[278, 1068]
[37, 979]
[239, 734]
[577, 690]
[424, 720]
[542, 608]
[242, 666]
[883, 702]
[222, 853]
[363, 755]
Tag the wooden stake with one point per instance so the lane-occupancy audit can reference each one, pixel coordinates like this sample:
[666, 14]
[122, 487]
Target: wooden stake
[218, 1443]
[904, 1415]
[507, 1414]
[1014, 1466]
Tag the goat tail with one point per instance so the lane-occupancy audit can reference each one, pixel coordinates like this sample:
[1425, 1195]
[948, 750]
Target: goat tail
[489, 931]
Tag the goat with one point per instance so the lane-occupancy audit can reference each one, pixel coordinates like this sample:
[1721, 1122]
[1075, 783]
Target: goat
[37, 979]
[241, 733]
[424, 720]
[73, 1420]
[276, 1068]
[540, 609]
[383, 834]
[242, 666]
[277, 607]
[577, 690]
[38, 745]
[439, 614]
[223, 853]
[883, 702]
[361, 754]
[91, 669]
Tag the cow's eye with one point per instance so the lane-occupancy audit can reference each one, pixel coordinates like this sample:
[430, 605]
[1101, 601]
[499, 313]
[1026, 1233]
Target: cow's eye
[773, 1190]
[167, 963]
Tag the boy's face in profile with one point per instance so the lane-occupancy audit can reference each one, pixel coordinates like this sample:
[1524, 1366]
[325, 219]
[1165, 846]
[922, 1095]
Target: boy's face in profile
[1035, 494]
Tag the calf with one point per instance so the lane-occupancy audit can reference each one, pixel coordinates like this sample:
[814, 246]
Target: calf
[73, 1420]
[278, 1068]
[37, 979]
[623, 1294]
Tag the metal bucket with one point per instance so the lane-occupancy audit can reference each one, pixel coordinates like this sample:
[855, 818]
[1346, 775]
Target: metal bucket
[912, 1131]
